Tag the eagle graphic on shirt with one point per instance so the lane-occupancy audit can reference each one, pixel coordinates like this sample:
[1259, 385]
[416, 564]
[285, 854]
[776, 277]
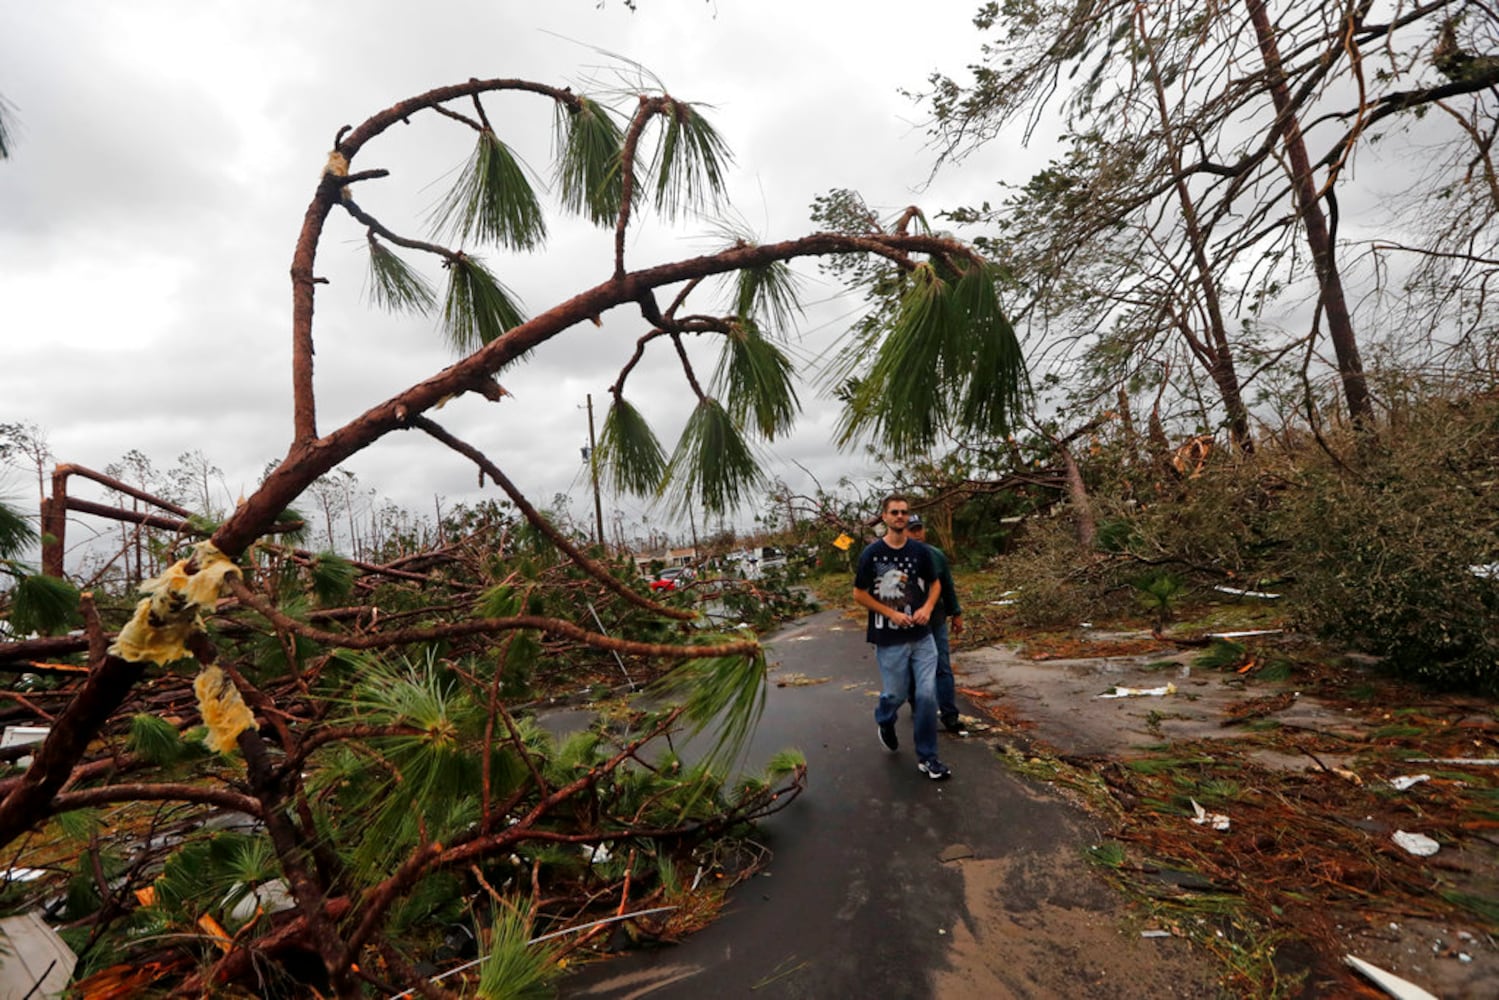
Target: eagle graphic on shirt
[891, 586]
[897, 584]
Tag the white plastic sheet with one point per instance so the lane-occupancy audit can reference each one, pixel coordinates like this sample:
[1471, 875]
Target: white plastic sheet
[1418, 844]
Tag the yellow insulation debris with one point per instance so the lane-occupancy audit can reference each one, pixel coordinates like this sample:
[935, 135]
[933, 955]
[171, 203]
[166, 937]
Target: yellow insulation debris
[224, 712]
[168, 614]
[337, 166]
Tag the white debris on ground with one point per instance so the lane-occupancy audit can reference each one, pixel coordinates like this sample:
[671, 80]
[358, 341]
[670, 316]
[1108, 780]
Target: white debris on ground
[1418, 844]
[1129, 692]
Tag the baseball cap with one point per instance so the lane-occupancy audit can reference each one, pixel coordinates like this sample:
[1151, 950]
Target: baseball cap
[914, 521]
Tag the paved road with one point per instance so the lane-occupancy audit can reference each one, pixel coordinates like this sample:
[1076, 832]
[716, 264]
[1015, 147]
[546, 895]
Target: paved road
[885, 883]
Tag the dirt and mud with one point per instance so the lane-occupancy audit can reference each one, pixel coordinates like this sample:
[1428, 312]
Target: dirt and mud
[1312, 770]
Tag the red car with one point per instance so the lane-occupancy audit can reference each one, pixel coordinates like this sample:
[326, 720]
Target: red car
[671, 579]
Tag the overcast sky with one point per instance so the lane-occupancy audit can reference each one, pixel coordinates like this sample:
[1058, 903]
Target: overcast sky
[166, 151]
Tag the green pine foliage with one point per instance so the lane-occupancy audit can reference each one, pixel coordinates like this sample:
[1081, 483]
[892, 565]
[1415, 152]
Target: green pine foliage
[210, 874]
[7, 131]
[477, 308]
[1223, 654]
[395, 285]
[713, 464]
[155, 740]
[434, 902]
[904, 399]
[629, 457]
[423, 780]
[492, 201]
[768, 294]
[332, 577]
[513, 968]
[784, 764]
[503, 601]
[574, 756]
[589, 178]
[945, 360]
[16, 532]
[292, 516]
[727, 693]
[690, 162]
[1158, 592]
[995, 388]
[78, 827]
[42, 604]
[758, 380]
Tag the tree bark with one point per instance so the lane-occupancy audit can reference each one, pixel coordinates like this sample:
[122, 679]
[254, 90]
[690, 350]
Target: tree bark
[1319, 240]
[1218, 353]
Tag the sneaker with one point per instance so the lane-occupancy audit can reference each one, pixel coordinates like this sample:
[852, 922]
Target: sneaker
[934, 769]
[954, 725]
[888, 739]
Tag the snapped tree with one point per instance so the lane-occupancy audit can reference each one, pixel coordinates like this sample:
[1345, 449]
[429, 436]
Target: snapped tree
[374, 752]
[1206, 148]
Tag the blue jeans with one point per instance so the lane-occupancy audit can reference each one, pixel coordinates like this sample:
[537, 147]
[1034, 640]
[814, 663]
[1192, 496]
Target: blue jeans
[901, 666]
[947, 686]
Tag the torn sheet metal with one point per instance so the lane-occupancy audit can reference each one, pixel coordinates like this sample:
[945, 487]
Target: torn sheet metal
[1401, 989]
[38, 964]
[1469, 761]
[1236, 592]
[19, 736]
[1246, 634]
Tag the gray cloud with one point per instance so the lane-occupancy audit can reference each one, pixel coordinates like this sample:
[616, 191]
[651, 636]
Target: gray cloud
[167, 153]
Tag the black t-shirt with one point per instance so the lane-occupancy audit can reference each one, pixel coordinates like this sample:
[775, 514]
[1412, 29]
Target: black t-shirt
[900, 579]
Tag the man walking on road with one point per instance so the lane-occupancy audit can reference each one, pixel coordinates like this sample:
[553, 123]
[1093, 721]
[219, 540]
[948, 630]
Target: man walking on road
[896, 582]
[948, 610]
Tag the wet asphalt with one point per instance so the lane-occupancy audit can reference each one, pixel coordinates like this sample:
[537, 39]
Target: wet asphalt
[857, 900]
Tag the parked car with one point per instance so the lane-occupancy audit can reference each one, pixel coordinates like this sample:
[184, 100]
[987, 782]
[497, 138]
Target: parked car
[771, 558]
[672, 579]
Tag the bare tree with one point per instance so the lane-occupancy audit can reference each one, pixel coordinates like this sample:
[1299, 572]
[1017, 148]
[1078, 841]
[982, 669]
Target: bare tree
[1207, 148]
[192, 481]
[7, 128]
[24, 445]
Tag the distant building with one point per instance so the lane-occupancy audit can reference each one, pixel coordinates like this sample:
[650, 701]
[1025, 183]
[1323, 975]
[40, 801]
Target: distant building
[668, 558]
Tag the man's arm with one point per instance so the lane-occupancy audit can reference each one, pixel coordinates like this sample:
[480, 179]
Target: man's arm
[950, 602]
[924, 613]
[899, 619]
[934, 586]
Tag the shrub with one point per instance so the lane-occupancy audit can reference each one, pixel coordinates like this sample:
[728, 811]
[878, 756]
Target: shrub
[1059, 583]
[1384, 553]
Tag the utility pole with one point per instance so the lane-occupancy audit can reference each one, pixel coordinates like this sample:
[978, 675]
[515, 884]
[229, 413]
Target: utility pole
[593, 468]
